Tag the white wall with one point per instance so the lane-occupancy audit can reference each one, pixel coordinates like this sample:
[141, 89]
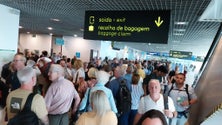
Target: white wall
[78, 44]
[40, 42]
[71, 45]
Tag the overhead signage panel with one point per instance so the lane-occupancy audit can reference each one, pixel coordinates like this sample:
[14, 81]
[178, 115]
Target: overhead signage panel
[180, 54]
[130, 26]
[59, 41]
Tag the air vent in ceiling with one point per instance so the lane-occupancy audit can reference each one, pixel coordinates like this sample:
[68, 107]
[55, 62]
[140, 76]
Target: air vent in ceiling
[213, 12]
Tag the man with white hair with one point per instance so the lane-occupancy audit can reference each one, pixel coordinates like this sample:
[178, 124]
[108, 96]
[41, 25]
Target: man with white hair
[17, 98]
[59, 96]
[155, 100]
[102, 78]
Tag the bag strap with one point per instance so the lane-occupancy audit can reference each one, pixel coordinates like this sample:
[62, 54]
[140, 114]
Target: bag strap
[28, 102]
[165, 101]
[87, 102]
[170, 89]
[186, 89]
[77, 75]
[188, 95]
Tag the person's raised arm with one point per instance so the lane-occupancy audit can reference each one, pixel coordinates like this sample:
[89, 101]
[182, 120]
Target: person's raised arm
[76, 104]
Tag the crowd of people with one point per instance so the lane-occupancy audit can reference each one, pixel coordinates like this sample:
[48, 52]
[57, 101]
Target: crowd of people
[71, 91]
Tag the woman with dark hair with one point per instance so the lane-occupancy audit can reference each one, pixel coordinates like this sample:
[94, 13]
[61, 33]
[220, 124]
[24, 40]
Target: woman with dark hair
[152, 117]
[136, 94]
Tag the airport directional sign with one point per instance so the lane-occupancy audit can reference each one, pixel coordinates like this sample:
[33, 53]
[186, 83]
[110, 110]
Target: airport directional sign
[130, 26]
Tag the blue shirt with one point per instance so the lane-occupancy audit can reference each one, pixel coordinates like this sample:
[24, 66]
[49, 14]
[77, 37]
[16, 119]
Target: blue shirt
[129, 77]
[108, 92]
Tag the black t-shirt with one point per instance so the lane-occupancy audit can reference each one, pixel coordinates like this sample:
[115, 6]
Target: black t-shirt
[171, 74]
[147, 79]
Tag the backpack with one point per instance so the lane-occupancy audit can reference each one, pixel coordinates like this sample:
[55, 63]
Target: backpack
[25, 116]
[3, 93]
[186, 89]
[123, 98]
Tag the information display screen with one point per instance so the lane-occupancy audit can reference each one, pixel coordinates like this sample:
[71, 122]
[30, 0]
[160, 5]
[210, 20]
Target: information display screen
[180, 54]
[130, 26]
[59, 41]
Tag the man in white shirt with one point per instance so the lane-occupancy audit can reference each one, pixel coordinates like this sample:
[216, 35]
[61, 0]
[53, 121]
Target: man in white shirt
[155, 100]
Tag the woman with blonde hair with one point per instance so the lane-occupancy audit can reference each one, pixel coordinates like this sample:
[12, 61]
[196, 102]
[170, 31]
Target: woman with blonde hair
[79, 78]
[101, 113]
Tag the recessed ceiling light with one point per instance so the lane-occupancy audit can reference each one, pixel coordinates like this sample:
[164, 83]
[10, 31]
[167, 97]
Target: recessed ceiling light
[75, 35]
[20, 27]
[50, 34]
[49, 28]
[181, 23]
[28, 32]
[54, 19]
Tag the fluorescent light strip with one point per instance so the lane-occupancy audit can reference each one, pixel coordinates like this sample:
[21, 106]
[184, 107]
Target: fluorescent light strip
[180, 23]
[178, 34]
[180, 30]
[55, 20]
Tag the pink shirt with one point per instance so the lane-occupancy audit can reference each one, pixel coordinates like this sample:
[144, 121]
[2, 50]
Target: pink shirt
[59, 96]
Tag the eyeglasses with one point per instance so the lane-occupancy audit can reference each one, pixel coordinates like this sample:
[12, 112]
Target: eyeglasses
[17, 60]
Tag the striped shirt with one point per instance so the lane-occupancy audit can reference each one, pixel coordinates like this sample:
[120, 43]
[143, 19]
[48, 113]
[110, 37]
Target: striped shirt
[137, 92]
